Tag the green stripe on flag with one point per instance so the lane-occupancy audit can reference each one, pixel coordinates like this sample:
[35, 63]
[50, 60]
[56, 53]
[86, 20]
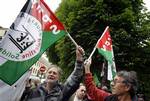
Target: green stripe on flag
[8, 69]
[51, 37]
[34, 30]
[106, 54]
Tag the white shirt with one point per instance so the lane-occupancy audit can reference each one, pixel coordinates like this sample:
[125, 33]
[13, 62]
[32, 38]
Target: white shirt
[76, 99]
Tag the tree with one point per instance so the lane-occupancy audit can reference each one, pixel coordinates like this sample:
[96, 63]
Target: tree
[86, 20]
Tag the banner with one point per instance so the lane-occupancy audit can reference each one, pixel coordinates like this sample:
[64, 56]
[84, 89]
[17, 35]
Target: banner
[35, 29]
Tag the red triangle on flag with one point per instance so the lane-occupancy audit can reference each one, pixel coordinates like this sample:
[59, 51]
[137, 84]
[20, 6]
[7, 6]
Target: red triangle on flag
[105, 41]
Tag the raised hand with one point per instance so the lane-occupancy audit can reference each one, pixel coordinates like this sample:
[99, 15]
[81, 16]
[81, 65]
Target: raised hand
[79, 53]
[87, 64]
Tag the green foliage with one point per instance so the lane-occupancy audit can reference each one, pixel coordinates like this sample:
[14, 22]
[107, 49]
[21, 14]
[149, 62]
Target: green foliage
[86, 20]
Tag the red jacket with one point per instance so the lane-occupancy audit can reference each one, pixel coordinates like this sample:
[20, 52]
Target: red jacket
[95, 93]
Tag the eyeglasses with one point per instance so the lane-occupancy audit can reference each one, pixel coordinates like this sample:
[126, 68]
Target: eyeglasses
[117, 81]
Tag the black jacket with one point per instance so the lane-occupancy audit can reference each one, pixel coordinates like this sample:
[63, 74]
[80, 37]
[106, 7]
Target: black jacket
[114, 98]
[59, 92]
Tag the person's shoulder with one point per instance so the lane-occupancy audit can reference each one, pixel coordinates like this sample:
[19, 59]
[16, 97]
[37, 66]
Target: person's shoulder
[72, 97]
[38, 91]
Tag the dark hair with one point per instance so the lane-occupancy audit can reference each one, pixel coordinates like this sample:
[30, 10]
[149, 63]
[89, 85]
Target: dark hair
[130, 79]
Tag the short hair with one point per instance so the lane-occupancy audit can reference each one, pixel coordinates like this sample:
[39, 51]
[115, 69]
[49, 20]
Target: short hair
[81, 84]
[58, 68]
[130, 78]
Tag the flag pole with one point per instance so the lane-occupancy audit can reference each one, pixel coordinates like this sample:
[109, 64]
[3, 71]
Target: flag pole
[97, 42]
[92, 53]
[72, 39]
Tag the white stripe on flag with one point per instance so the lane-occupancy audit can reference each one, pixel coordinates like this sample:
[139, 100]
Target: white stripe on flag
[14, 92]
[109, 74]
[2, 60]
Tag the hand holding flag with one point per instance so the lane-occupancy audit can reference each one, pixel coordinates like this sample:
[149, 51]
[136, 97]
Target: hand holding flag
[87, 64]
[34, 30]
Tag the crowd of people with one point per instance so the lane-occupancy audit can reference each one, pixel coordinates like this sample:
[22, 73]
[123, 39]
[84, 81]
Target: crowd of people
[123, 87]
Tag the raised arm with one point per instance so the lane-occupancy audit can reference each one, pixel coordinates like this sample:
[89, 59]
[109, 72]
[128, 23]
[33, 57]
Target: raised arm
[94, 92]
[73, 81]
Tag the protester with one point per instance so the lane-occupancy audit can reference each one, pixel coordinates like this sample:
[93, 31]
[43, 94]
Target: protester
[52, 90]
[27, 90]
[123, 86]
[80, 94]
[36, 83]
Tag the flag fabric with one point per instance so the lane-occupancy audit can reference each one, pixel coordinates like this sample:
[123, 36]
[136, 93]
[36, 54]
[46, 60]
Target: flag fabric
[34, 30]
[111, 71]
[104, 71]
[15, 91]
[96, 79]
[104, 47]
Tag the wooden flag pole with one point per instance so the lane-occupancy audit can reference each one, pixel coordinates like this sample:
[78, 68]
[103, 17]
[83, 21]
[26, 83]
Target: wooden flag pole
[72, 39]
[92, 53]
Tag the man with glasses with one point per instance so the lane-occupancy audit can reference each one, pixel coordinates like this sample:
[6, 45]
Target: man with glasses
[124, 86]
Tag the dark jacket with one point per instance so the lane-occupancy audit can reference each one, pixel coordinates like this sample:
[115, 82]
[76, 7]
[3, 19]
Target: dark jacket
[114, 98]
[59, 92]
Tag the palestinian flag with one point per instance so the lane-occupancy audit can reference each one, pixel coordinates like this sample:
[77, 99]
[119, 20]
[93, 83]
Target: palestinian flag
[104, 47]
[34, 30]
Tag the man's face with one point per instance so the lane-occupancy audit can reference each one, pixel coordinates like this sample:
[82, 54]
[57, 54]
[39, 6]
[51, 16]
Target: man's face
[81, 92]
[118, 86]
[52, 75]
